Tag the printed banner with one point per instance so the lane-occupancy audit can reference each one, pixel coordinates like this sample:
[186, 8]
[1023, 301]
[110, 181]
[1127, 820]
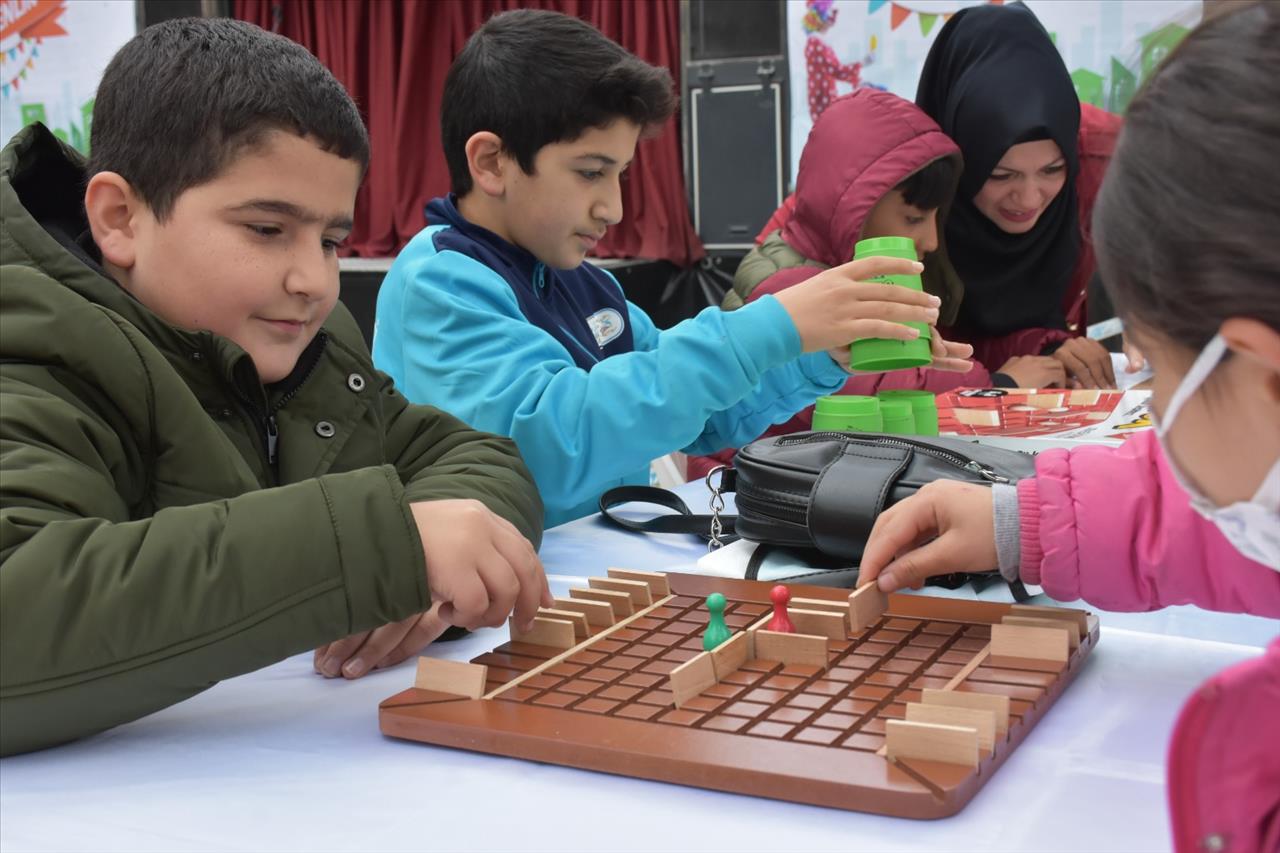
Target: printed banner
[52, 55]
[1110, 46]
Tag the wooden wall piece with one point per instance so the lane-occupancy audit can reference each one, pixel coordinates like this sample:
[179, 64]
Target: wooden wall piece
[983, 720]
[1073, 636]
[620, 601]
[637, 590]
[578, 620]
[866, 605]
[931, 742]
[1035, 643]
[598, 613]
[692, 677]
[841, 607]
[451, 676]
[1077, 617]
[657, 581]
[791, 648]
[730, 655]
[545, 632]
[825, 623]
[998, 705]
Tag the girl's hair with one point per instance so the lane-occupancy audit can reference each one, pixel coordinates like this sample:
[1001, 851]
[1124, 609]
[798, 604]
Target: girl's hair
[1187, 223]
[933, 186]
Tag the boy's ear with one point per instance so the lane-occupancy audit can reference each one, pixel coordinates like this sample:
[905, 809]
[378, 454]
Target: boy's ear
[487, 163]
[1256, 341]
[112, 208]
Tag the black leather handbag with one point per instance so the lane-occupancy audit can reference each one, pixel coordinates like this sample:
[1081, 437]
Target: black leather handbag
[821, 492]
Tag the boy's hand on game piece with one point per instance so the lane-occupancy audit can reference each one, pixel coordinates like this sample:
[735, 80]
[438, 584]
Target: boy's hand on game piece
[479, 567]
[837, 306]
[1088, 363]
[945, 527]
[361, 653]
[1035, 371]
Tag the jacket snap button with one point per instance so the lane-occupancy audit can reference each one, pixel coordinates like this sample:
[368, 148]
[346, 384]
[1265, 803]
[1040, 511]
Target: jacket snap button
[1214, 843]
[355, 382]
[324, 429]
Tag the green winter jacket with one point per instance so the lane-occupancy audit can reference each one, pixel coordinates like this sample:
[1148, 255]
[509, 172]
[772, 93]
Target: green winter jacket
[148, 547]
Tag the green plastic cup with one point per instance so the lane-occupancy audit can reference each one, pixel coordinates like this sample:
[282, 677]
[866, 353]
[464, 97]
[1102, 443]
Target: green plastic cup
[879, 354]
[924, 408]
[847, 413]
[897, 417]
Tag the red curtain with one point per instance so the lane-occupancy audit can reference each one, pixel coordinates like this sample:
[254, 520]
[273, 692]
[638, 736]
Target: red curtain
[393, 56]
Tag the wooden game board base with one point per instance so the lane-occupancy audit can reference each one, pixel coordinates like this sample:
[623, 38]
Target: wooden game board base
[792, 731]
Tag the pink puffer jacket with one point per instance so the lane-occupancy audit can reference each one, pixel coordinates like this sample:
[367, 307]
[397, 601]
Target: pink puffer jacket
[1113, 527]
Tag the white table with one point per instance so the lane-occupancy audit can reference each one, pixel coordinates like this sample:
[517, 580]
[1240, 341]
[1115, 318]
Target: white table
[285, 760]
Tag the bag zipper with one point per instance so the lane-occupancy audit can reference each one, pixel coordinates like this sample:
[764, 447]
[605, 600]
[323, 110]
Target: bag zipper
[973, 466]
[795, 513]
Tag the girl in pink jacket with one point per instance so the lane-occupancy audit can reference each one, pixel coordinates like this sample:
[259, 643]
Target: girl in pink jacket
[1186, 232]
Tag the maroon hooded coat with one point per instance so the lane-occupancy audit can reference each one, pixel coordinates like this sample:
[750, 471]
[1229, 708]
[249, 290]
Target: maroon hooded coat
[860, 148]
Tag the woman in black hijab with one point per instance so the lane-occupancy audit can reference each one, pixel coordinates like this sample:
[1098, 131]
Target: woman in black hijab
[1018, 231]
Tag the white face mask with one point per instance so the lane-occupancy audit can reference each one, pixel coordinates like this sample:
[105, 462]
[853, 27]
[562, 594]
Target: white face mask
[1252, 526]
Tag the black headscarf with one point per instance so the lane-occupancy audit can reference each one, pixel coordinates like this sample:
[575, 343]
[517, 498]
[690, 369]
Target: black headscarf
[993, 79]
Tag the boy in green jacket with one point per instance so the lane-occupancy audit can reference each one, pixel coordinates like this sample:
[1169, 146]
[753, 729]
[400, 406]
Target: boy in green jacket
[201, 472]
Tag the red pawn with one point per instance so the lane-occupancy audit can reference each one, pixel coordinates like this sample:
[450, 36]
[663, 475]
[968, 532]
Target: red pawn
[780, 621]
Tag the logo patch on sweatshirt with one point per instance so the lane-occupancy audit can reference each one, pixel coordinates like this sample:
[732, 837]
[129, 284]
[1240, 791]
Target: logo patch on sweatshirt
[606, 325]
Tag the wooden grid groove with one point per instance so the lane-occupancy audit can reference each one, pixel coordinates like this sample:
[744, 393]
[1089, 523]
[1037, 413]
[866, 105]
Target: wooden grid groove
[684, 618]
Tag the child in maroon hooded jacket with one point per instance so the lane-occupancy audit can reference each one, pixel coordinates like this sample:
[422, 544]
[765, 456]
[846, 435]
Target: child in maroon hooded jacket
[874, 165]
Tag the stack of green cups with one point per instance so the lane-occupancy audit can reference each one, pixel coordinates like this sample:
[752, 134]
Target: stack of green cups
[879, 354]
[846, 413]
[924, 409]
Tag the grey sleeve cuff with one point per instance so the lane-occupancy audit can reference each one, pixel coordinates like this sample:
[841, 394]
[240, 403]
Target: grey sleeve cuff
[1004, 505]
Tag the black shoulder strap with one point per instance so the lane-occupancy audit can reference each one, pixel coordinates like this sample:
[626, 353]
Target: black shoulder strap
[683, 520]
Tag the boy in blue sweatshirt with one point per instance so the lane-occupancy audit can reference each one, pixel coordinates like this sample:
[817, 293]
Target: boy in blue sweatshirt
[491, 313]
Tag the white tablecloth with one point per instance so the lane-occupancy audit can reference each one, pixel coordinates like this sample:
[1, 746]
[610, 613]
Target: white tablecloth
[284, 760]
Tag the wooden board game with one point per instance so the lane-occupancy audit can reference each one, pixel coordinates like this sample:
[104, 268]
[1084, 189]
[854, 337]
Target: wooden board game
[919, 701]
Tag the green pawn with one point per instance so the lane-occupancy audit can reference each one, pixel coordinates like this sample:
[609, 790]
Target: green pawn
[717, 632]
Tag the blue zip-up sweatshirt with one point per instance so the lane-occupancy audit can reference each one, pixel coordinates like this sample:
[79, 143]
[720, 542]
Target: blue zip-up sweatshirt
[583, 381]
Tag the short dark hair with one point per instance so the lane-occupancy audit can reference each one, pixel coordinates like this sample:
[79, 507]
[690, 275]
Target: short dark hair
[1186, 223]
[182, 98]
[534, 78]
[931, 187]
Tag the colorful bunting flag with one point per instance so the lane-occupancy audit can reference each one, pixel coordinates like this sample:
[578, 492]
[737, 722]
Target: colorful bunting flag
[897, 14]
[5, 89]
